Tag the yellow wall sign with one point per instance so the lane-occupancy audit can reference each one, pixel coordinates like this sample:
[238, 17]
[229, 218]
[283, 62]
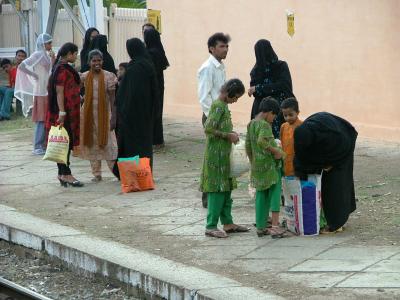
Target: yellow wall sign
[154, 17]
[18, 5]
[290, 23]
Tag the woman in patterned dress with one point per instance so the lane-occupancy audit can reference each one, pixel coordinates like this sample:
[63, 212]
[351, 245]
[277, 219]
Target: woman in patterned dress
[215, 178]
[98, 117]
[64, 105]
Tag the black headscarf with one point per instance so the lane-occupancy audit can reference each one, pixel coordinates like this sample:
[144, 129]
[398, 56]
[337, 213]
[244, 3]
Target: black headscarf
[100, 42]
[323, 140]
[154, 46]
[85, 48]
[265, 56]
[86, 42]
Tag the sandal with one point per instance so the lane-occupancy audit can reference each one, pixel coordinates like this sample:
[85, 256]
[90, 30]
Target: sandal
[97, 178]
[269, 222]
[263, 232]
[237, 228]
[216, 233]
[277, 233]
[326, 230]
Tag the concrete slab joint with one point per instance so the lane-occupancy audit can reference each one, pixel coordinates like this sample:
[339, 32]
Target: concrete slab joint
[146, 274]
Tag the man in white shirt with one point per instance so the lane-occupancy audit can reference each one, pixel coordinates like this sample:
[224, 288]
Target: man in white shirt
[211, 76]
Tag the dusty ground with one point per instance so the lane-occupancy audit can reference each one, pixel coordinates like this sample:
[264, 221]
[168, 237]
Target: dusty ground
[170, 221]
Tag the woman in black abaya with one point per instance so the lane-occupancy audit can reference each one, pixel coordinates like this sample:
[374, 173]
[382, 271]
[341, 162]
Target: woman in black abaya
[99, 42]
[89, 36]
[160, 61]
[136, 97]
[326, 142]
[269, 77]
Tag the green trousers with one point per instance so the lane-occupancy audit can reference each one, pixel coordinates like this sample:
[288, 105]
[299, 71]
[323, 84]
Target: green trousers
[322, 220]
[266, 200]
[276, 193]
[263, 204]
[219, 208]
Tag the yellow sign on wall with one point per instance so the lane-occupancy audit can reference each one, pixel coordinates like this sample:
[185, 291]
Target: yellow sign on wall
[290, 23]
[154, 17]
[18, 5]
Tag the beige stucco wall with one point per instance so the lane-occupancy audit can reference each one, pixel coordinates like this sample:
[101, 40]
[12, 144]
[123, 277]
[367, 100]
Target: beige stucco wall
[344, 56]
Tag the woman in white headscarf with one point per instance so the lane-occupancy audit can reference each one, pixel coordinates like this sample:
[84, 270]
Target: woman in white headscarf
[31, 87]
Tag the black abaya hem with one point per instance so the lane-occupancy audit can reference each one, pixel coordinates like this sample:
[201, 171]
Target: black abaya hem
[338, 197]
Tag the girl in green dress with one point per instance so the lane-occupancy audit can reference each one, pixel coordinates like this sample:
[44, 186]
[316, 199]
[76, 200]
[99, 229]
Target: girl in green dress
[215, 178]
[265, 159]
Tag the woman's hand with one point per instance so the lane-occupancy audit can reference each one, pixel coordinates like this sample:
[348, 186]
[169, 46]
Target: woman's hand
[251, 91]
[61, 119]
[52, 54]
[113, 124]
[233, 137]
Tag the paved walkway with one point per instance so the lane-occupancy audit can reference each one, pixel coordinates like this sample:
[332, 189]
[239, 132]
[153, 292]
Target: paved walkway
[169, 222]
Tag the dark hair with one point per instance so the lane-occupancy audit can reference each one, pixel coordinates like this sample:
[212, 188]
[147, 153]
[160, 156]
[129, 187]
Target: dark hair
[65, 49]
[136, 48]
[290, 103]
[123, 65]
[4, 62]
[269, 104]
[217, 37]
[148, 25]
[233, 87]
[88, 33]
[94, 52]
[153, 44]
[20, 51]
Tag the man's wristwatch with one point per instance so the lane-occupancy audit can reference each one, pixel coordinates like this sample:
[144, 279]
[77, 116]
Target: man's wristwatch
[62, 113]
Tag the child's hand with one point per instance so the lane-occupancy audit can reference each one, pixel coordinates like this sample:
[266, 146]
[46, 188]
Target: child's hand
[251, 91]
[233, 137]
[278, 155]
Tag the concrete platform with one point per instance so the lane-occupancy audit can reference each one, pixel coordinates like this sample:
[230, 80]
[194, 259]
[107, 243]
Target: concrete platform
[148, 273]
[155, 240]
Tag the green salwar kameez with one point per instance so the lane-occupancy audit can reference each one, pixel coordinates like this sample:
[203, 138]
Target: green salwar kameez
[215, 177]
[265, 170]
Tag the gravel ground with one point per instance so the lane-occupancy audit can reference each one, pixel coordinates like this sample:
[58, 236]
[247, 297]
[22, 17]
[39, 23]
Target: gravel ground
[53, 281]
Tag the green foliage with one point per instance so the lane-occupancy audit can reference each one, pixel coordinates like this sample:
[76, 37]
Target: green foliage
[120, 3]
[126, 3]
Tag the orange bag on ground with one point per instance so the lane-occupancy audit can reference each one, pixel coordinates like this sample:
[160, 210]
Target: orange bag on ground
[136, 177]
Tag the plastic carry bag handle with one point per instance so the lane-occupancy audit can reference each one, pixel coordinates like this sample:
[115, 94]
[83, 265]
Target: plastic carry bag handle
[134, 159]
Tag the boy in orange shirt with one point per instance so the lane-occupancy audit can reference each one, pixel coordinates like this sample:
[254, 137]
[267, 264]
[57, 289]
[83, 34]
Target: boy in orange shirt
[290, 111]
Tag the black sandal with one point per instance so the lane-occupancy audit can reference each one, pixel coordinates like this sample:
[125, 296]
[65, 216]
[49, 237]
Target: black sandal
[75, 183]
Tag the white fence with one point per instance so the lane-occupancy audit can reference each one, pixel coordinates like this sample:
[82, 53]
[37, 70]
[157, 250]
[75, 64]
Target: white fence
[122, 24]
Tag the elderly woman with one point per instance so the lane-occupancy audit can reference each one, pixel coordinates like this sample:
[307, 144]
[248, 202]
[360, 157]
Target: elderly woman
[64, 105]
[98, 117]
[269, 77]
[31, 87]
[326, 142]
